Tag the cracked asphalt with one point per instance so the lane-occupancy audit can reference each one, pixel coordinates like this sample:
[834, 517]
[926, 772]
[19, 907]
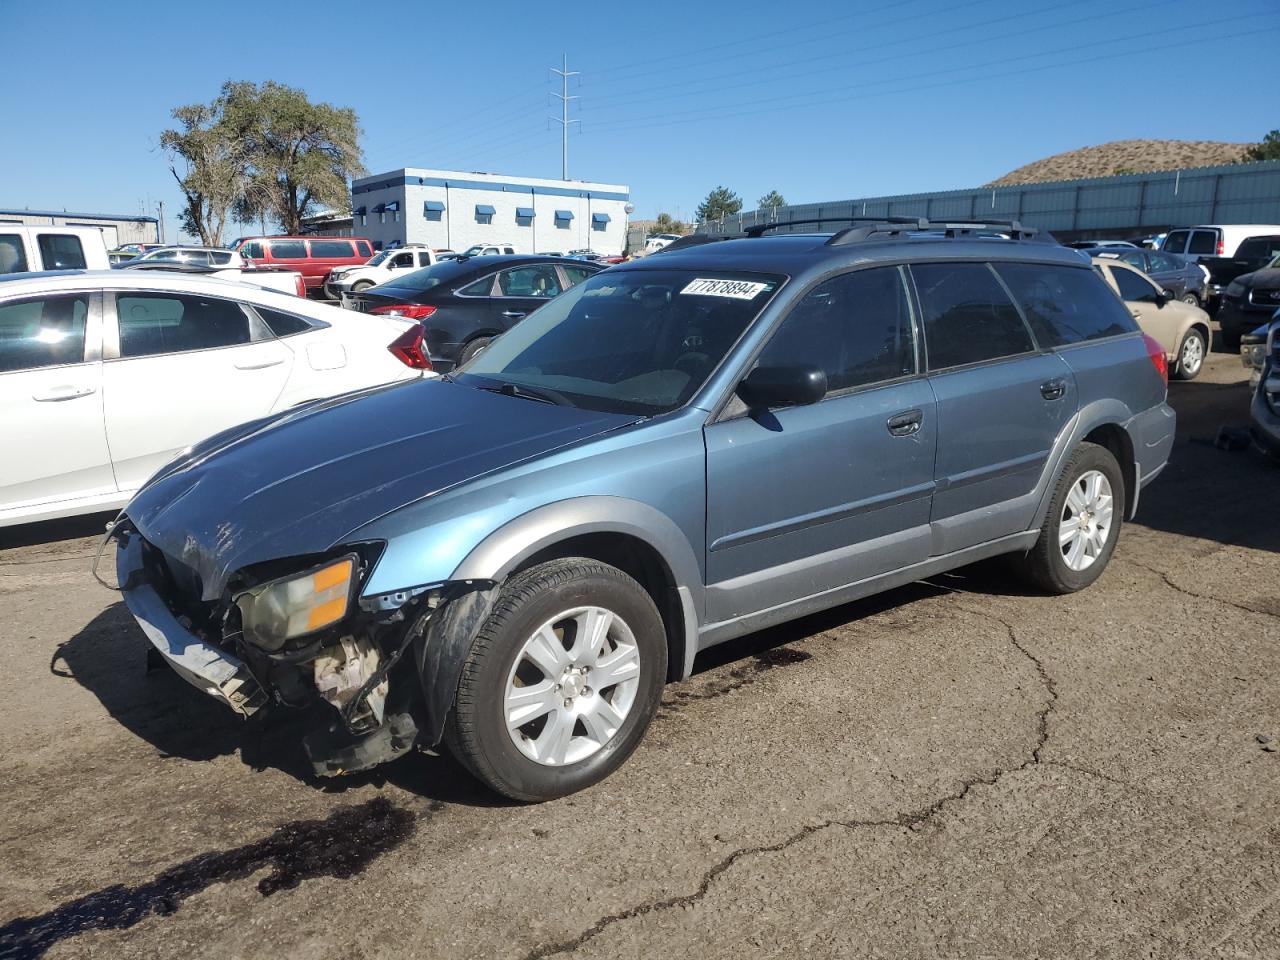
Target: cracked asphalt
[958, 768]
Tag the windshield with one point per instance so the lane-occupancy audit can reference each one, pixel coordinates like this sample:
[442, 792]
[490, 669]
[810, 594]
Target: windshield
[473, 250]
[639, 341]
[378, 258]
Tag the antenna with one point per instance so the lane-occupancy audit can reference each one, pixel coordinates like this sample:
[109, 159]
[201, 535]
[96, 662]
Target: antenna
[563, 119]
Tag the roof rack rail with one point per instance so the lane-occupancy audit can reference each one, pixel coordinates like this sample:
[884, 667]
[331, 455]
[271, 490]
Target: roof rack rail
[949, 228]
[756, 229]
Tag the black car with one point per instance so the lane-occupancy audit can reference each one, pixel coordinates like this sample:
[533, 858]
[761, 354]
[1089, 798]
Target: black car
[464, 303]
[1181, 277]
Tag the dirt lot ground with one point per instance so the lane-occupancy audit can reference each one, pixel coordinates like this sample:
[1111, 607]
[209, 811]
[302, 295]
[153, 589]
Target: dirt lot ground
[955, 769]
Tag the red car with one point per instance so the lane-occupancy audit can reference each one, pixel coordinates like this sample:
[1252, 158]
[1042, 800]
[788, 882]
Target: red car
[313, 257]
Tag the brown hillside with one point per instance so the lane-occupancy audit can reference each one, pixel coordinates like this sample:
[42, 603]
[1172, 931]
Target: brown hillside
[1125, 156]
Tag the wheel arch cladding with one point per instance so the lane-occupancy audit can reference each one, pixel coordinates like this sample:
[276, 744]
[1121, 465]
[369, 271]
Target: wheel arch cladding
[1115, 438]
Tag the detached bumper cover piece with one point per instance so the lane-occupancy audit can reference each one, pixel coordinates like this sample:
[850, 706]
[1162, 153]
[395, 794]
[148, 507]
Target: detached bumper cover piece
[203, 666]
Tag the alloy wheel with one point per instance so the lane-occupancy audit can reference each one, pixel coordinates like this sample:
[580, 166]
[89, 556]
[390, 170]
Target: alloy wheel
[1192, 356]
[1086, 520]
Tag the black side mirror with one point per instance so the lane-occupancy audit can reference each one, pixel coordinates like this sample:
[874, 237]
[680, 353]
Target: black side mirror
[1163, 297]
[766, 387]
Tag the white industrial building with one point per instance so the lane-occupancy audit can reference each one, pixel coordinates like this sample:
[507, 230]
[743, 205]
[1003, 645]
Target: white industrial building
[448, 209]
[116, 229]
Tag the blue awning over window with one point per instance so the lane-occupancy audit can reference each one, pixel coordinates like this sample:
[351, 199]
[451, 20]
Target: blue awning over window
[599, 218]
[380, 208]
[484, 210]
[526, 212]
[433, 206]
[360, 211]
[564, 214]
[393, 206]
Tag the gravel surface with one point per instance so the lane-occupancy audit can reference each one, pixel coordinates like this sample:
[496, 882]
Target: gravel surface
[959, 768]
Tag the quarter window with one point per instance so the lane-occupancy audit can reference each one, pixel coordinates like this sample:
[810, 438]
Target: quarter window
[13, 258]
[283, 324]
[855, 327]
[539, 280]
[481, 288]
[61, 251]
[1066, 305]
[158, 323]
[42, 333]
[968, 317]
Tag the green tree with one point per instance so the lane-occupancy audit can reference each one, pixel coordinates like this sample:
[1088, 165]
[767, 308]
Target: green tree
[772, 199]
[1268, 149]
[302, 155]
[667, 224]
[211, 164]
[721, 202]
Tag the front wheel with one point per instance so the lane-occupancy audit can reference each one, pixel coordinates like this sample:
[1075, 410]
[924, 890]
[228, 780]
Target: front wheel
[360, 286]
[1191, 298]
[1079, 533]
[561, 681]
[1191, 355]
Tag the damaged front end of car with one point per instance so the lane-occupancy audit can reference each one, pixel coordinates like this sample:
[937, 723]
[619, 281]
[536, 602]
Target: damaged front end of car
[295, 633]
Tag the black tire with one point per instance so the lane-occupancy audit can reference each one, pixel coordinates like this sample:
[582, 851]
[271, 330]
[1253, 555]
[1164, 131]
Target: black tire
[1044, 565]
[1179, 372]
[476, 733]
[1190, 298]
[471, 348]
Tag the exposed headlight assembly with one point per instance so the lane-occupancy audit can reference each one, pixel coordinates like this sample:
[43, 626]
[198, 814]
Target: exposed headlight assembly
[295, 606]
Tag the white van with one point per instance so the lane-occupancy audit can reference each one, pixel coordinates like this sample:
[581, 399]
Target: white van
[1214, 239]
[35, 247]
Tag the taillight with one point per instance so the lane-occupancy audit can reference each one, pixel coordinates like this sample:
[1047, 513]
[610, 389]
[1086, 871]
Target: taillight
[299, 287]
[1155, 353]
[409, 311]
[409, 349]
[1222, 248]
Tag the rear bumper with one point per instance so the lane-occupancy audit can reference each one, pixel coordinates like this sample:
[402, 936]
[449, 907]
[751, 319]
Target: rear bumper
[1152, 432]
[205, 667]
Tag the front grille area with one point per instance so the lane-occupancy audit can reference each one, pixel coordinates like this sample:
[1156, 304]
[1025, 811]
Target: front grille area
[1264, 298]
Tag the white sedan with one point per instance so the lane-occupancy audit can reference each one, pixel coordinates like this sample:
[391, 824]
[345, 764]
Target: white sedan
[106, 375]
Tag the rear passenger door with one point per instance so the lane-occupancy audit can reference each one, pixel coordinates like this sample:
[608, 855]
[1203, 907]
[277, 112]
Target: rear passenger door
[1001, 405]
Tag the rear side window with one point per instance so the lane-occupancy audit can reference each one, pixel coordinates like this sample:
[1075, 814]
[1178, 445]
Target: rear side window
[13, 258]
[1203, 241]
[1262, 248]
[575, 275]
[855, 327]
[1176, 242]
[331, 249]
[283, 324]
[42, 333]
[288, 250]
[968, 317]
[159, 323]
[1065, 305]
[61, 251]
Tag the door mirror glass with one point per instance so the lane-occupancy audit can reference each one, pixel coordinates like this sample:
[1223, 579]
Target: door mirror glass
[767, 387]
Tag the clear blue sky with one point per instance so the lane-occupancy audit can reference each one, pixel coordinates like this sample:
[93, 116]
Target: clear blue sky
[819, 100]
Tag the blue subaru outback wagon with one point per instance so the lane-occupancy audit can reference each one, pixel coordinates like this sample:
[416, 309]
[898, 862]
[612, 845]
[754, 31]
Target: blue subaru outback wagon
[514, 559]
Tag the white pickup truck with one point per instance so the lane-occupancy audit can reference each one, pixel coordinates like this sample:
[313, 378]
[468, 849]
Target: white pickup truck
[37, 247]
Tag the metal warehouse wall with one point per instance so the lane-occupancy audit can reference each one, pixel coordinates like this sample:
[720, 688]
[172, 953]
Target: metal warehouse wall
[1105, 206]
[115, 229]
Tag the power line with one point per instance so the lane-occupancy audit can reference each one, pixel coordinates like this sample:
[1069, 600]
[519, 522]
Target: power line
[563, 119]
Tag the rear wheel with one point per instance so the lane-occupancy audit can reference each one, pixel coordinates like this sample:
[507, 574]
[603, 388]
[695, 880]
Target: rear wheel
[561, 681]
[1191, 298]
[1079, 533]
[1191, 355]
[472, 348]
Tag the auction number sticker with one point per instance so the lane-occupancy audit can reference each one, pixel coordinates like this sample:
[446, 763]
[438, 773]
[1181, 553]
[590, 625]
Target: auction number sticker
[735, 289]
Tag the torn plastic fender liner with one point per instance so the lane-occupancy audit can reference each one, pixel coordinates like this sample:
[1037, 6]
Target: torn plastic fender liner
[443, 648]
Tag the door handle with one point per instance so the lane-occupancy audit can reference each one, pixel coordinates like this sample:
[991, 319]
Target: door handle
[258, 366]
[906, 423]
[513, 314]
[58, 394]
[1053, 389]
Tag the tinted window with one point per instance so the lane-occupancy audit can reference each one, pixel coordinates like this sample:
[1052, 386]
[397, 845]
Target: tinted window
[1163, 263]
[283, 324]
[1262, 248]
[42, 333]
[331, 249]
[575, 275]
[967, 315]
[252, 249]
[363, 247]
[288, 250]
[1134, 287]
[1203, 241]
[13, 258]
[218, 258]
[538, 280]
[154, 323]
[399, 260]
[1066, 305]
[1176, 241]
[1134, 259]
[61, 251]
[481, 288]
[856, 327]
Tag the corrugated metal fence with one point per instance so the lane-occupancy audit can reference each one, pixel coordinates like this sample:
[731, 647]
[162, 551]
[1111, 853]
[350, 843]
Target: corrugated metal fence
[1105, 206]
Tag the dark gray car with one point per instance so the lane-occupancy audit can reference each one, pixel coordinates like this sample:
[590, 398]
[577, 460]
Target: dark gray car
[513, 560]
[1183, 278]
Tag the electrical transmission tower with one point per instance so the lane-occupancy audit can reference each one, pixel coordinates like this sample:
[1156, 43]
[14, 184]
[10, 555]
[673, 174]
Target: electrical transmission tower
[563, 119]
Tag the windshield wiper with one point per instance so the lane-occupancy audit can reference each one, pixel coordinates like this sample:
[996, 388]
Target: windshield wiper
[529, 393]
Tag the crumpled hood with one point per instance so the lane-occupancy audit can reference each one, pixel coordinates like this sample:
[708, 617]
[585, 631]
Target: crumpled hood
[300, 482]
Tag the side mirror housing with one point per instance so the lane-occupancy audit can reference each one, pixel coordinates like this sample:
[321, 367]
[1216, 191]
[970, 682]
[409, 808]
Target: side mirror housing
[766, 387]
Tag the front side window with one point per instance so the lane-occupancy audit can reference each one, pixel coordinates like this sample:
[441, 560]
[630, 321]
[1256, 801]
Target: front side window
[158, 323]
[42, 333]
[252, 250]
[1133, 287]
[855, 327]
[1066, 305]
[61, 251]
[539, 280]
[636, 341]
[1176, 241]
[13, 257]
[402, 260]
[1203, 242]
[331, 249]
[288, 250]
[968, 318]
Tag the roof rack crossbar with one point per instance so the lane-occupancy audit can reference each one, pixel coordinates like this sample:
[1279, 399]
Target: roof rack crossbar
[949, 228]
[756, 229]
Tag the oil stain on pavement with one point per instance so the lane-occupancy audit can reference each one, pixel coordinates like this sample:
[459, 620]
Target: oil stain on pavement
[341, 845]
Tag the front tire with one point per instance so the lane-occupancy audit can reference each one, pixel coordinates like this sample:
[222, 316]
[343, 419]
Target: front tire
[1191, 298]
[360, 286]
[561, 681]
[1082, 526]
[1191, 354]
